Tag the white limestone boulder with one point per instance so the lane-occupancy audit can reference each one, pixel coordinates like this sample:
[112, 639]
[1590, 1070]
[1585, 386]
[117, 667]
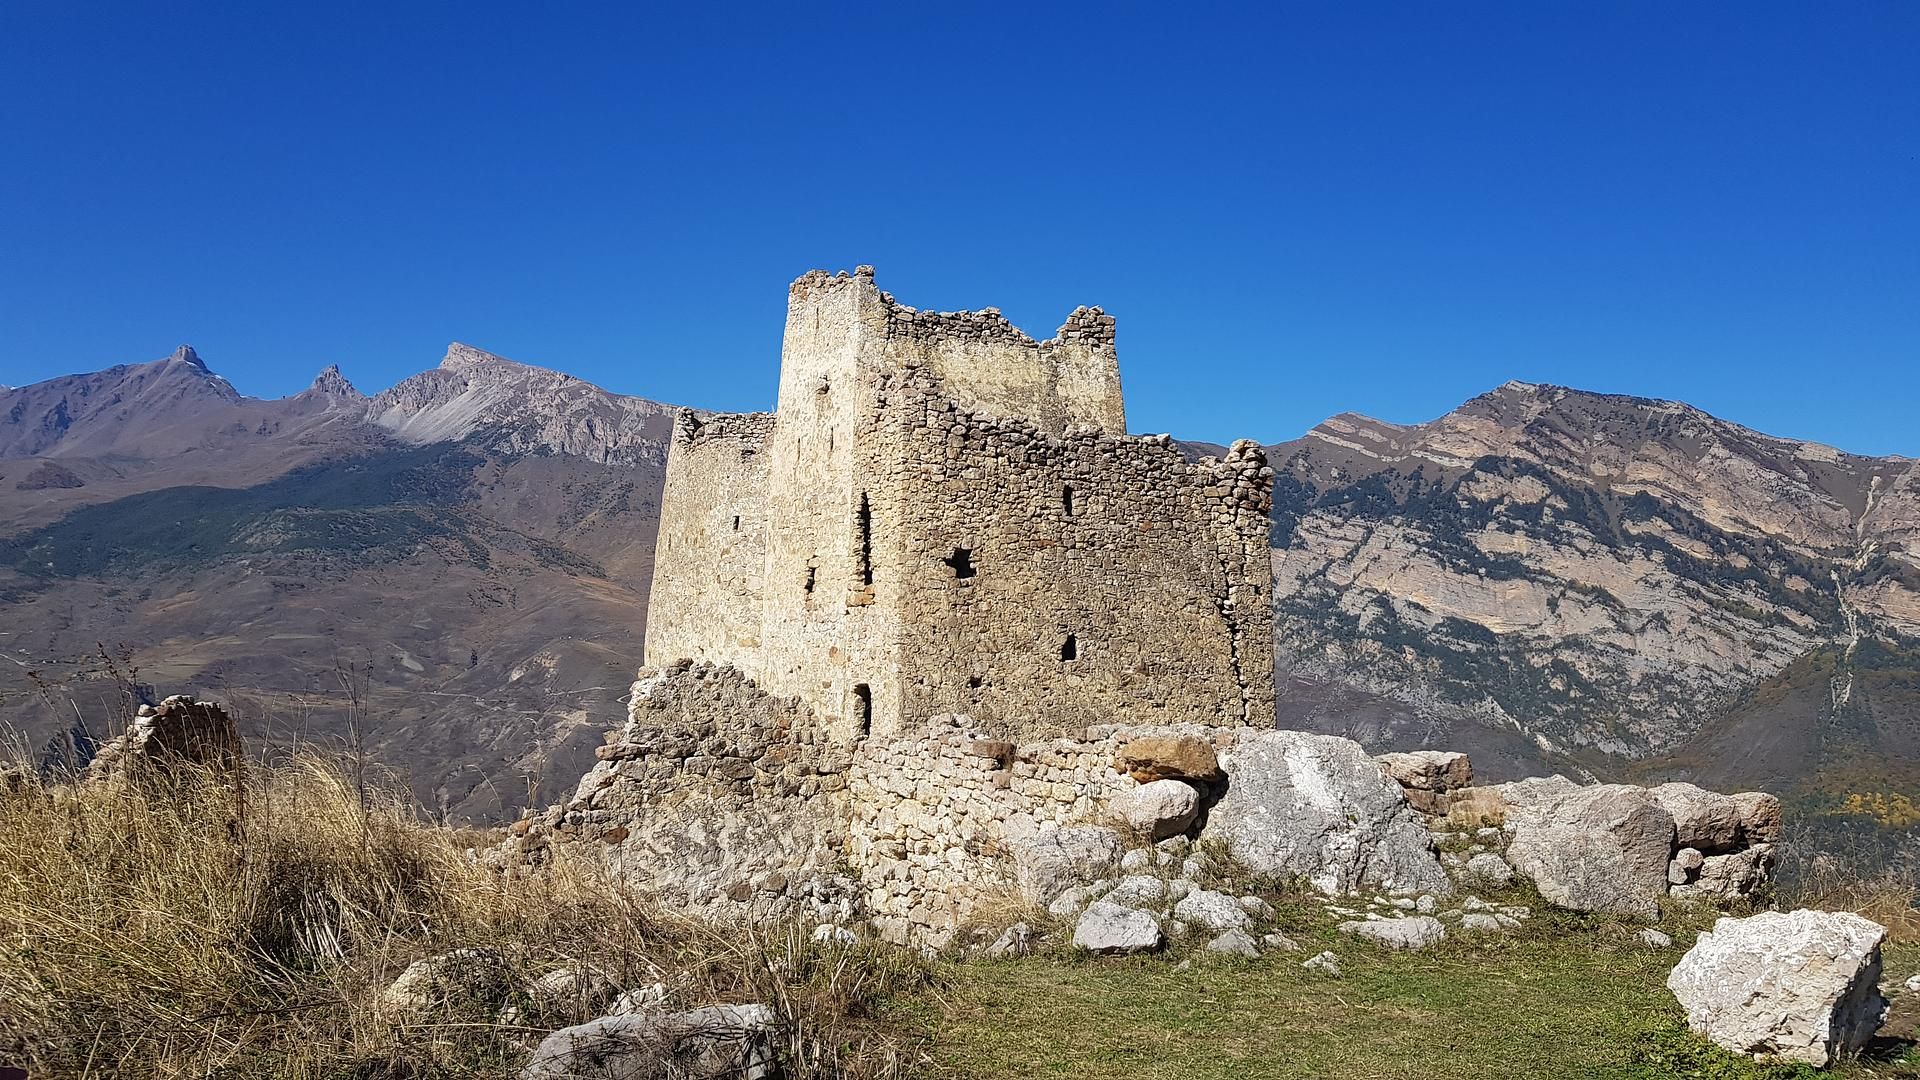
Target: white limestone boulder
[1802, 985]
[1415, 932]
[1722, 879]
[734, 1041]
[1049, 863]
[1212, 910]
[1112, 930]
[1319, 807]
[1158, 809]
[1602, 849]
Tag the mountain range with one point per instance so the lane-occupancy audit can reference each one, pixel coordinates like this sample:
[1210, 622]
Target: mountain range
[451, 577]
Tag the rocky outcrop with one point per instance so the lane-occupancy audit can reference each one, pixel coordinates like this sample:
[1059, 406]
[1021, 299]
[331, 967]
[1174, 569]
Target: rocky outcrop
[732, 1041]
[180, 733]
[1545, 571]
[1802, 986]
[1318, 807]
[519, 408]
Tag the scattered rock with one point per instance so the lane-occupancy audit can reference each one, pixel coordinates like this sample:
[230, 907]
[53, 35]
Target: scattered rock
[1318, 807]
[1236, 943]
[464, 982]
[1722, 878]
[1706, 820]
[1325, 962]
[1802, 985]
[1015, 941]
[1168, 757]
[837, 935]
[1076, 898]
[1279, 942]
[1413, 932]
[1481, 922]
[1257, 908]
[1110, 929]
[1685, 866]
[1488, 871]
[1653, 939]
[1158, 809]
[1602, 849]
[1759, 817]
[1213, 910]
[1428, 770]
[1138, 891]
[732, 1041]
[1049, 863]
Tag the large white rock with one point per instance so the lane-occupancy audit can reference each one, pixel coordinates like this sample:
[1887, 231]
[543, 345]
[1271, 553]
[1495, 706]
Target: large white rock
[1049, 863]
[1603, 848]
[1801, 985]
[1415, 932]
[1112, 930]
[734, 1041]
[1724, 878]
[1158, 809]
[1318, 807]
[1213, 910]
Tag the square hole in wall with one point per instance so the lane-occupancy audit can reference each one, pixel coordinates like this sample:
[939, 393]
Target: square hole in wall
[962, 562]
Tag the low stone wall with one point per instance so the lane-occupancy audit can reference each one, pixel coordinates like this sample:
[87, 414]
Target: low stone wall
[716, 794]
[932, 815]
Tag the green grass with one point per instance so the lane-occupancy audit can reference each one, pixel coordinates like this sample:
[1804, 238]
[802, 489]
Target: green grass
[1562, 1002]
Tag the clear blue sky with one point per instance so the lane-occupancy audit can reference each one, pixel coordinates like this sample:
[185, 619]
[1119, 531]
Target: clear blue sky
[1293, 210]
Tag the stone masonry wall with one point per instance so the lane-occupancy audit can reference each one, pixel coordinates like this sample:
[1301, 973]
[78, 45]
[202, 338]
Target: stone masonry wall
[1048, 583]
[712, 540]
[904, 439]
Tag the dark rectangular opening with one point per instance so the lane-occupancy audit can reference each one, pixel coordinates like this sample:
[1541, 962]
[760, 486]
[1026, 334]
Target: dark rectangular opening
[864, 538]
[863, 707]
[736, 523]
[1070, 648]
[962, 562]
[810, 573]
[1066, 499]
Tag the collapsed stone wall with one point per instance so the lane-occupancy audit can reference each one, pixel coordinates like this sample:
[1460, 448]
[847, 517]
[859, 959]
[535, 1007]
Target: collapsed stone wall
[714, 791]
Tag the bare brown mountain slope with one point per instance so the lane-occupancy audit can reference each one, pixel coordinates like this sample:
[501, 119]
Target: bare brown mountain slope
[1566, 577]
[467, 555]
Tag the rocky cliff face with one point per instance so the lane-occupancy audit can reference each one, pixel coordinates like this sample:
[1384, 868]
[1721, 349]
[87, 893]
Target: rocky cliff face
[518, 408]
[1576, 575]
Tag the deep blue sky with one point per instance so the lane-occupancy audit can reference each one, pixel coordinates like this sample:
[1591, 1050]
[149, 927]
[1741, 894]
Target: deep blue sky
[1293, 210]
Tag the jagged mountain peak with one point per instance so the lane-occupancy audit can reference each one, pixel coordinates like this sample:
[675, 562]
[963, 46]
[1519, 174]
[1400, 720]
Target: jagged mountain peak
[186, 355]
[521, 408]
[332, 383]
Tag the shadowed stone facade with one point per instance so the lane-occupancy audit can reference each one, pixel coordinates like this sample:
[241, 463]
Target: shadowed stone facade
[946, 516]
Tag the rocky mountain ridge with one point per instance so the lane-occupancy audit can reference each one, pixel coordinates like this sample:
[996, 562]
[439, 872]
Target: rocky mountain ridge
[1582, 575]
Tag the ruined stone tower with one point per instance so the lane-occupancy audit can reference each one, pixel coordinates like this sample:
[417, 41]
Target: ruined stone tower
[946, 516]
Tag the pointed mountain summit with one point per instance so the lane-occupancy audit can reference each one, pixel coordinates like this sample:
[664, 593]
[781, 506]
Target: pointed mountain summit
[333, 384]
[104, 411]
[521, 408]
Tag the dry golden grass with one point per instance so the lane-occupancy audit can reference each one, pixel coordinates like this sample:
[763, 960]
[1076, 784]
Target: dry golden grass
[226, 926]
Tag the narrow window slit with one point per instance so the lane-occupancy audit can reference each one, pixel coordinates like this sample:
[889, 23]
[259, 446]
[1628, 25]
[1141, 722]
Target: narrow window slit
[864, 528]
[1070, 648]
[736, 523]
[863, 707]
[1066, 499]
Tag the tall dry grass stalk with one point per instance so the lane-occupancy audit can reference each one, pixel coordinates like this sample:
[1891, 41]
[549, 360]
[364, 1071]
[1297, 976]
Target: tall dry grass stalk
[222, 925]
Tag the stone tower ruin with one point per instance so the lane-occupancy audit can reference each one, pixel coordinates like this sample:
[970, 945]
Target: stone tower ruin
[947, 516]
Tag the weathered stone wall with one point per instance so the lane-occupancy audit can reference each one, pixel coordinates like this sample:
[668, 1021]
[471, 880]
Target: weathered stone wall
[1051, 583]
[713, 792]
[907, 443]
[932, 814]
[712, 540]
